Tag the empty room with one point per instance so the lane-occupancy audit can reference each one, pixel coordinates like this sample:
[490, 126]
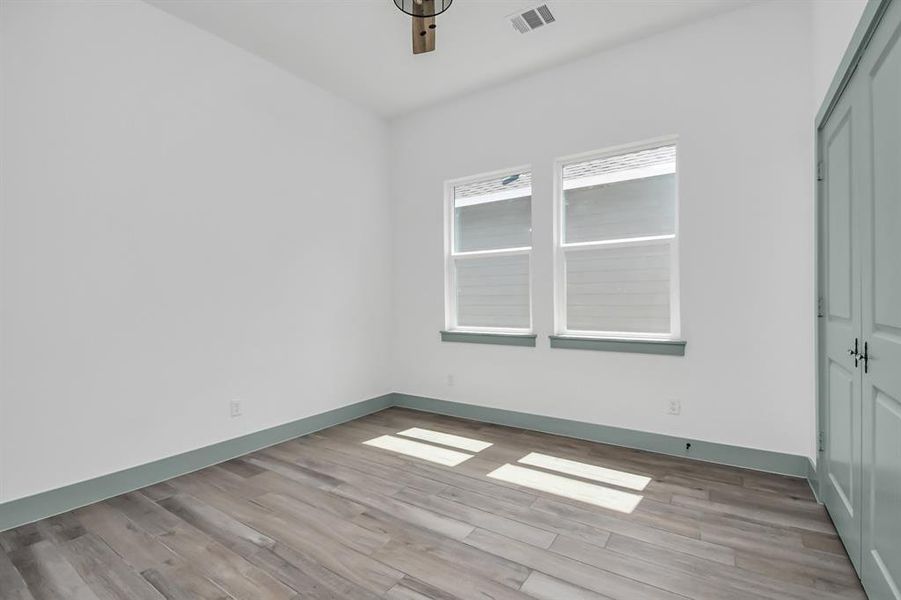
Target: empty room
[450, 299]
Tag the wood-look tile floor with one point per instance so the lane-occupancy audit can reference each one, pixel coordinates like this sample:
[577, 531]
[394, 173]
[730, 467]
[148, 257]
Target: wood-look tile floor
[326, 516]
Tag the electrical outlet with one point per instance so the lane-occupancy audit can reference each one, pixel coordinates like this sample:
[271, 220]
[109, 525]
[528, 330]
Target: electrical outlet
[450, 380]
[674, 408]
[235, 408]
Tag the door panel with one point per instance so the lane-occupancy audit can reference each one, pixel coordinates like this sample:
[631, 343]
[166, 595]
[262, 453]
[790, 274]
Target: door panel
[885, 98]
[881, 311]
[838, 216]
[841, 460]
[883, 542]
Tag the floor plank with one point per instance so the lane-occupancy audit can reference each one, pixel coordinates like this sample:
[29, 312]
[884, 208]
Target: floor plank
[328, 517]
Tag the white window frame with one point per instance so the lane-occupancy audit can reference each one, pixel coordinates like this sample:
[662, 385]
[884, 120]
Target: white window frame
[560, 248]
[450, 267]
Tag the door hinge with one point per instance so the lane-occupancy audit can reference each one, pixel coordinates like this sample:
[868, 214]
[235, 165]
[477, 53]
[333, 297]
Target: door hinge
[820, 307]
[820, 171]
[821, 442]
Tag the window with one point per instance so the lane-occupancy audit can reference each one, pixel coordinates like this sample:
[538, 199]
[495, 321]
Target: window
[616, 274]
[488, 251]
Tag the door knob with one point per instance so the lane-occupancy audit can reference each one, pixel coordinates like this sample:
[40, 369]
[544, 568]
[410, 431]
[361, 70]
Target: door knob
[853, 352]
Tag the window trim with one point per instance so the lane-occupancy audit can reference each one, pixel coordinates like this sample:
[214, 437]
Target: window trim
[560, 248]
[450, 271]
[493, 337]
[611, 344]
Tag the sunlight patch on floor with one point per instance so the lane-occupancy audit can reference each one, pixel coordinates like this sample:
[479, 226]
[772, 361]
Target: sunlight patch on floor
[573, 489]
[446, 439]
[586, 471]
[441, 456]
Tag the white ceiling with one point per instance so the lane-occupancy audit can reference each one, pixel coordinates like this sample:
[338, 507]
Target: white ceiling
[360, 49]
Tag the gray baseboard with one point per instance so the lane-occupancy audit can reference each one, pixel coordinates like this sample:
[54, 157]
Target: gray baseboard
[53, 502]
[737, 456]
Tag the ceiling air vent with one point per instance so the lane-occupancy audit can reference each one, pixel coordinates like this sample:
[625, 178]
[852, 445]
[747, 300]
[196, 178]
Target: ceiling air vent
[532, 19]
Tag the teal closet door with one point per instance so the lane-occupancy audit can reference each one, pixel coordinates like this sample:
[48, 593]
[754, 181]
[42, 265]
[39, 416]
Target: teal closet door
[840, 468]
[880, 80]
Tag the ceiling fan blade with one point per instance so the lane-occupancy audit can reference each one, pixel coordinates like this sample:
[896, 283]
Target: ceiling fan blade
[423, 34]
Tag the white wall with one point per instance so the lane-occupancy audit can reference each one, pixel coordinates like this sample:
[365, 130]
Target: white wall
[736, 89]
[834, 22]
[181, 224]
